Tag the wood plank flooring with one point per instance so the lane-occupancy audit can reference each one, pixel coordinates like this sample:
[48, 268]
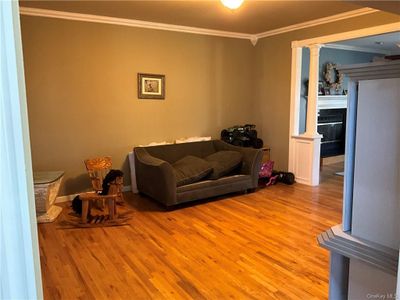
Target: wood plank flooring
[243, 246]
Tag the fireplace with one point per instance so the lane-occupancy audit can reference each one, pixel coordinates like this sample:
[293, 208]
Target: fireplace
[332, 124]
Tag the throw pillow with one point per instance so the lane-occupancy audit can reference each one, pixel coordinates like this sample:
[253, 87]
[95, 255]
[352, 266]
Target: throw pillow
[224, 162]
[190, 169]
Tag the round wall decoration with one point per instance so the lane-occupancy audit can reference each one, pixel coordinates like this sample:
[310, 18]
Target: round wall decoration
[333, 78]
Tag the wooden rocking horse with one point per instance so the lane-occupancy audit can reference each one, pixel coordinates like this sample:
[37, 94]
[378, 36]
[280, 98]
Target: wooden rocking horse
[107, 185]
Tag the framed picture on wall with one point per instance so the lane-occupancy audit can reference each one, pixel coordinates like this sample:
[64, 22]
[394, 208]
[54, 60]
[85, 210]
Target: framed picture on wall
[151, 86]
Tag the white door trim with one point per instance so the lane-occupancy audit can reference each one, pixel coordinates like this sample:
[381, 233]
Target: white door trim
[347, 35]
[19, 250]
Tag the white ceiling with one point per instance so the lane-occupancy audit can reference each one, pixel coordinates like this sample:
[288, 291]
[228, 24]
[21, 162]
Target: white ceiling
[391, 43]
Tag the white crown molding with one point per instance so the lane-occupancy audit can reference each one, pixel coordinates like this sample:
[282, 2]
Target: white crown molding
[320, 21]
[254, 40]
[355, 48]
[38, 12]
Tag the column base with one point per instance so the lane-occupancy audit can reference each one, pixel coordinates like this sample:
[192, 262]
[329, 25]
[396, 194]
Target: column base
[306, 158]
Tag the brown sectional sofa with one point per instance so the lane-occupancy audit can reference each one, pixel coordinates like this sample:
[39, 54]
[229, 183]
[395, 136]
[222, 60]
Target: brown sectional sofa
[155, 175]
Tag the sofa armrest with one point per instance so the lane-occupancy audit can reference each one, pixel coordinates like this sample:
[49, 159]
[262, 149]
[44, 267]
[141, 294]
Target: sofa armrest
[155, 177]
[252, 159]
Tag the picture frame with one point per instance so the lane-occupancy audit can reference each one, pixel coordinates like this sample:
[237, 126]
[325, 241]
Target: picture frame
[321, 90]
[151, 86]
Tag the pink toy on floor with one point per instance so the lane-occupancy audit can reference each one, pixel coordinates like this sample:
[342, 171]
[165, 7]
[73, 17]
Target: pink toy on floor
[266, 169]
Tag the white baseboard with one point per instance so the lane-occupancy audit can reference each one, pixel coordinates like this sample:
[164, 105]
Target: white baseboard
[67, 198]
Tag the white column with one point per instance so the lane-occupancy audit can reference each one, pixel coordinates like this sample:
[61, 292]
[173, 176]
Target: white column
[294, 103]
[305, 148]
[20, 276]
[297, 55]
[311, 127]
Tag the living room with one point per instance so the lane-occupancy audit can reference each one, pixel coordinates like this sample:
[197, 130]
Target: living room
[82, 101]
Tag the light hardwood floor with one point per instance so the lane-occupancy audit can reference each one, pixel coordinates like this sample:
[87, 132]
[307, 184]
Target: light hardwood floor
[244, 246]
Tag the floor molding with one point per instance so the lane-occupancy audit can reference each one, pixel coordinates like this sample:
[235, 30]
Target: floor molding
[253, 38]
[67, 198]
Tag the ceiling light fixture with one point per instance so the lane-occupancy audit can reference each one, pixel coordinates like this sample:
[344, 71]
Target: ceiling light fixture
[232, 4]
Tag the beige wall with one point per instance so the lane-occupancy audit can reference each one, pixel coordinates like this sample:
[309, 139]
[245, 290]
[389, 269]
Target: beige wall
[273, 72]
[82, 91]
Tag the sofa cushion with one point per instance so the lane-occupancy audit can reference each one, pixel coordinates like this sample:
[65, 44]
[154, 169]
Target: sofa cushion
[225, 182]
[191, 169]
[223, 162]
[174, 152]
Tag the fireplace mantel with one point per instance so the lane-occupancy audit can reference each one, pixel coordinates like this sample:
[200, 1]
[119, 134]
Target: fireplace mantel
[332, 102]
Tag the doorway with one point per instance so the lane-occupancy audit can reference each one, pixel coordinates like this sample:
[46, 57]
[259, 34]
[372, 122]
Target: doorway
[318, 122]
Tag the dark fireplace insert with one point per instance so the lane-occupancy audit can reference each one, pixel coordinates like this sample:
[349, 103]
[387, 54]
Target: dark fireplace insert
[332, 127]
